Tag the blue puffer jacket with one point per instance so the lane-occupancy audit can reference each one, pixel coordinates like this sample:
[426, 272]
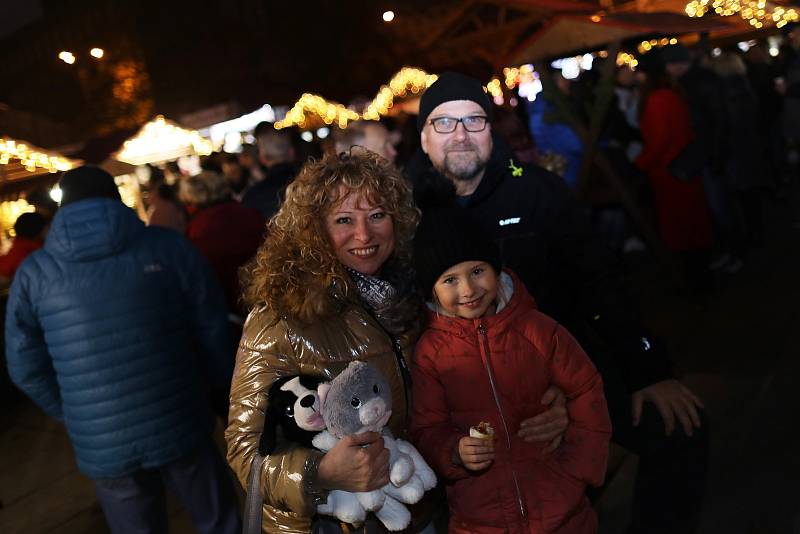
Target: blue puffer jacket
[104, 328]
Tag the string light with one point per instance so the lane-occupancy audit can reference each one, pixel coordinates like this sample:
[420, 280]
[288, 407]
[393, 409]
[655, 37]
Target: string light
[624, 58]
[755, 12]
[329, 112]
[97, 53]
[161, 140]
[31, 158]
[407, 79]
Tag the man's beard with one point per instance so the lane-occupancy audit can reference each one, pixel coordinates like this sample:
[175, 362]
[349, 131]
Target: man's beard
[463, 165]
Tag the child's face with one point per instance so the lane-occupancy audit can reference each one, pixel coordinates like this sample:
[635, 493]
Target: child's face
[468, 290]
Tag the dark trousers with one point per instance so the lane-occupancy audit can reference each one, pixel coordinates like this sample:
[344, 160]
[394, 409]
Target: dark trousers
[670, 483]
[136, 503]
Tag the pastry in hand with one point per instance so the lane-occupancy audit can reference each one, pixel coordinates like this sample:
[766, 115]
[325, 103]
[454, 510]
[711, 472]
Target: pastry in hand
[482, 430]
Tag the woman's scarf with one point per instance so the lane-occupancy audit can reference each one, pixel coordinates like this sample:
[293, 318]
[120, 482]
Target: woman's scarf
[392, 300]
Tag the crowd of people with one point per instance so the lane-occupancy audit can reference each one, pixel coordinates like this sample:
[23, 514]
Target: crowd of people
[436, 249]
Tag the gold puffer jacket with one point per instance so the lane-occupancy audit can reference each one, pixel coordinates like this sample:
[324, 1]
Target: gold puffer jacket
[273, 348]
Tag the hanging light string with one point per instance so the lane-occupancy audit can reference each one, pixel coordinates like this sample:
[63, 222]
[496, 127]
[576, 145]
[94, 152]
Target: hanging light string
[31, 158]
[756, 12]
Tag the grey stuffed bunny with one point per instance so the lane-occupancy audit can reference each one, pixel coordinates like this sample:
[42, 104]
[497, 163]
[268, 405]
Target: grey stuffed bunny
[359, 400]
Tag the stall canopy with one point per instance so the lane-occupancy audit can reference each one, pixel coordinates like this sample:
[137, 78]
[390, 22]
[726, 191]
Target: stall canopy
[566, 35]
[23, 165]
[162, 140]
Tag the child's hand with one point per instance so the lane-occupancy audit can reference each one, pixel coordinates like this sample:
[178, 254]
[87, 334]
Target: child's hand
[476, 453]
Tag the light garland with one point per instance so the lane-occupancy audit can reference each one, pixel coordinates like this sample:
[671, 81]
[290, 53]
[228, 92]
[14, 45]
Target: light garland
[329, 112]
[407, 79]
[161, 140]
[31, 158]
[756, 12]
[645, 46]
[624, 58]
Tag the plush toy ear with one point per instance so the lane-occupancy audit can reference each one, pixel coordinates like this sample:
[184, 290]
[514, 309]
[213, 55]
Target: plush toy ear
[322, 392]
[272, 418]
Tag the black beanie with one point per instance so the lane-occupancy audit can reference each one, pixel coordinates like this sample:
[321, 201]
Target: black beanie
[87, 182]
[446, 237]
[448, 87]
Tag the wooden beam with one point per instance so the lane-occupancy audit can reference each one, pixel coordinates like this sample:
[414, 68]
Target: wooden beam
[447, 24]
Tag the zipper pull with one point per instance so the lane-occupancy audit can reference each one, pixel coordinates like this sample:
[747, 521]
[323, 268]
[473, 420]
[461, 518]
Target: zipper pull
[482, 328]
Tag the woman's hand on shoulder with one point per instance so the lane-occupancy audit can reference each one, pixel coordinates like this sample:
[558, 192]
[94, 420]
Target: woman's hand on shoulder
[357, 463]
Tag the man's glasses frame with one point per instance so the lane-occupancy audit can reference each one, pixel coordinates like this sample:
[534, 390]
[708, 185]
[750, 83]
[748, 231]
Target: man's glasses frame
[471, 123]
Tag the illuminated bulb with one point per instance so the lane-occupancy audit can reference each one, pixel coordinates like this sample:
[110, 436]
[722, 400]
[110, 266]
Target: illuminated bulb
[56, 194]
[388, 16]
[97, 52]
[66, 57]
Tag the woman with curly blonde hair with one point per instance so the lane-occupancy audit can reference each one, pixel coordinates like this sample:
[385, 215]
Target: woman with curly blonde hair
[330, 285]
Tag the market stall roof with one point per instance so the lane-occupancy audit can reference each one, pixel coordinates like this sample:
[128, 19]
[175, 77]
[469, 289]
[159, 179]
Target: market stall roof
[162, 140]
[569, 34]
[23, 165]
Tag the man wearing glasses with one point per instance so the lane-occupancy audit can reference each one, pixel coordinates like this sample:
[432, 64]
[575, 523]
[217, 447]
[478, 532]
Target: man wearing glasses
[545, 237]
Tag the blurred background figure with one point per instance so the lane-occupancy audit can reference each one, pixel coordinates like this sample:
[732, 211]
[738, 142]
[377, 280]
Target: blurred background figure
[370, 135]
[119, 331]
[164, 208]
[30, 229]
[277, 153]
[225, 232]
[238, 175]
[683, 218]
[552, 133]
[745, 181]
[788, 84]
[248, 158]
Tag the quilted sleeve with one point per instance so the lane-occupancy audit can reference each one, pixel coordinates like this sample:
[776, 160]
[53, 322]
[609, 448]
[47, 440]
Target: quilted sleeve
[29, 364]
[431, 430]
[584, 452]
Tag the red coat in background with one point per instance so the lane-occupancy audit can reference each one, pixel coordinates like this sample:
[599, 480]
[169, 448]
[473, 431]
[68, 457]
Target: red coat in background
[228, 235]
[20, 249]
[496, 369]
[683, 217]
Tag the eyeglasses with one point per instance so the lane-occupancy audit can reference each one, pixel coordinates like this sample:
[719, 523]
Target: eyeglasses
[472, 123]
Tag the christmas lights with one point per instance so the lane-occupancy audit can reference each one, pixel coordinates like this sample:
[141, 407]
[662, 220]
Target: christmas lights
[756, 12]
[30, 157]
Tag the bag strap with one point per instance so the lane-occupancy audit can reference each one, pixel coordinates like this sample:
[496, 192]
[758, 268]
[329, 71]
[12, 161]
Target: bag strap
[253, 504]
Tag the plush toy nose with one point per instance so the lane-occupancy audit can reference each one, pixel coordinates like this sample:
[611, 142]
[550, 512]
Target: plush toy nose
[307, 401]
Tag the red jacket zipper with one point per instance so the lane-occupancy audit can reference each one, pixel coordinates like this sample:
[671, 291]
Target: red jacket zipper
[485, 357]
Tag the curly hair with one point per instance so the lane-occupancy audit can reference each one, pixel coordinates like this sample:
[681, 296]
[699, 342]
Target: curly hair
[296, 267]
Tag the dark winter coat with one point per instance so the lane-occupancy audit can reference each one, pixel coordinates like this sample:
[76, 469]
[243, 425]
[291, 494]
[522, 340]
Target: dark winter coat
[266, 196]
[100, 328]
[744, 167]
[547, 240]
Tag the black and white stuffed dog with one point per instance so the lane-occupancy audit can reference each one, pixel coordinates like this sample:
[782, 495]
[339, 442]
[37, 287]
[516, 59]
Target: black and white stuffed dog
[294, 413]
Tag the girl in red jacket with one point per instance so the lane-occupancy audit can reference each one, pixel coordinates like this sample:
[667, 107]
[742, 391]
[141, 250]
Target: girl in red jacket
[488, 356]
